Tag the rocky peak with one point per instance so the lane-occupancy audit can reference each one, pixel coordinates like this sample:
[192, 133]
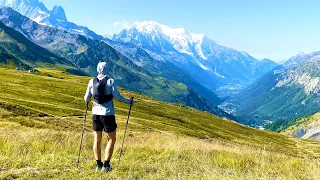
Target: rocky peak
[59, 13]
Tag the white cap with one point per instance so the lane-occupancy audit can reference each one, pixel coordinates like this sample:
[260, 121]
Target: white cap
[102, 68]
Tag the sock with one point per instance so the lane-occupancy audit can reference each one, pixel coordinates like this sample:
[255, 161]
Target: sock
[99, 163]
[106, 164]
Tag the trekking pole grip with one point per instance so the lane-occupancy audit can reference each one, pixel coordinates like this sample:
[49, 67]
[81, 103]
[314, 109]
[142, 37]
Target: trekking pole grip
[131, 101]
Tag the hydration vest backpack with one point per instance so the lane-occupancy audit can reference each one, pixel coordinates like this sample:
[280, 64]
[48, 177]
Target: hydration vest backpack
[99, 91]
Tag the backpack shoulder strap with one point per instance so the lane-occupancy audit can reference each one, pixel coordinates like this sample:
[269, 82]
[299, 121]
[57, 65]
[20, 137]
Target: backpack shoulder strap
[104, 80]
[95, 80]
[107, 78]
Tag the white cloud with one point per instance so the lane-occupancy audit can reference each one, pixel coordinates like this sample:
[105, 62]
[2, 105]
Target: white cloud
[126, 25]
[116, 24]
[122, 25]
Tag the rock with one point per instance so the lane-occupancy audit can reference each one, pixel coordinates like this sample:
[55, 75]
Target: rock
[315, 136]
[299, 133]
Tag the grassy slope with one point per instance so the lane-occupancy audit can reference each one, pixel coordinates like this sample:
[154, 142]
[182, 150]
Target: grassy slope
[40, 126]
[9, 61]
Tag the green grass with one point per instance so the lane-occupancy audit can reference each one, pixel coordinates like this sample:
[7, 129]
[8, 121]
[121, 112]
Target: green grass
[41, 118]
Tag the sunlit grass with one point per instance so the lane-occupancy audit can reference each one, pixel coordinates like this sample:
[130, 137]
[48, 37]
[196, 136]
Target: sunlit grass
[41, 119]
[45, 153]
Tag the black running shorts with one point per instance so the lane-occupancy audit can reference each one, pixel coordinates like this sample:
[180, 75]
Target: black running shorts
[106, 123]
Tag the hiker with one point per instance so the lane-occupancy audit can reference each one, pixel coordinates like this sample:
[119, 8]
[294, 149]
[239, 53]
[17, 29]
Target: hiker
[103, 89]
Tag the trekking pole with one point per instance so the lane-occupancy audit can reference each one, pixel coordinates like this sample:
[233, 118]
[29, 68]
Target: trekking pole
[84, 124]
[125, 131]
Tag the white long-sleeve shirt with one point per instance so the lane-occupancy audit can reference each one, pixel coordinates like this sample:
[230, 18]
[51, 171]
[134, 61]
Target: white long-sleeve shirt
[106, 108]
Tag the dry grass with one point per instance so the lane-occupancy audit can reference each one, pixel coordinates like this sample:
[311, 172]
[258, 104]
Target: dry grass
[40, 133]
[29, 153]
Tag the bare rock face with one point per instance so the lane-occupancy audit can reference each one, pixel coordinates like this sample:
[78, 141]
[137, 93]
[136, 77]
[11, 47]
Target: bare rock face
[306, 74]
[315, 136]
[309, 129]
[37, 11]
[58, 13]
[300, 133]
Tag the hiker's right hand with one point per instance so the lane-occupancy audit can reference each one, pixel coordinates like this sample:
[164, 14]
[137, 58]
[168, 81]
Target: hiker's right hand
[132, 102]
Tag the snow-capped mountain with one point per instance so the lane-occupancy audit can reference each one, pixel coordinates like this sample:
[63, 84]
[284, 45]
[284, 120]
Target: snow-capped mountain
[213, 65]
[56, 17]
[161, 38]
[180, 39]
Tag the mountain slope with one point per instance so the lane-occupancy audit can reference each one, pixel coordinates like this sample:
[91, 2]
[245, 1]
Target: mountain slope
[165, 69]
[17, 49]
[209, 63]
[56, 17]
[44, 129]
[85, 53]
[9, 61]
[287, 92]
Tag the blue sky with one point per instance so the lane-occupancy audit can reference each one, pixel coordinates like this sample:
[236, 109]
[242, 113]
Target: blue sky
[275, 29]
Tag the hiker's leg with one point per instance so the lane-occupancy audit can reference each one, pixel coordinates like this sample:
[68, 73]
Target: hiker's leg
[97, 144]
[110, 145]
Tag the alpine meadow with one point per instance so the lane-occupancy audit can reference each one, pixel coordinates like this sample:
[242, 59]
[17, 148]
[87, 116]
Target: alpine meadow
[134, 90]
[40, 137]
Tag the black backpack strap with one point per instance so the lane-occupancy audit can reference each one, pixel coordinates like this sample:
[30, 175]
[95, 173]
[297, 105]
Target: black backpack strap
[104, 80]
[108, 97]
[95, 80]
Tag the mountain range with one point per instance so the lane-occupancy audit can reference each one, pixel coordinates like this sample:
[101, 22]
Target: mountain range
[286, 93]
[165, 69]
[25, 6]
[85, 53]
[172, 65]
[199, 62]
[56, 17]
[209, 63]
